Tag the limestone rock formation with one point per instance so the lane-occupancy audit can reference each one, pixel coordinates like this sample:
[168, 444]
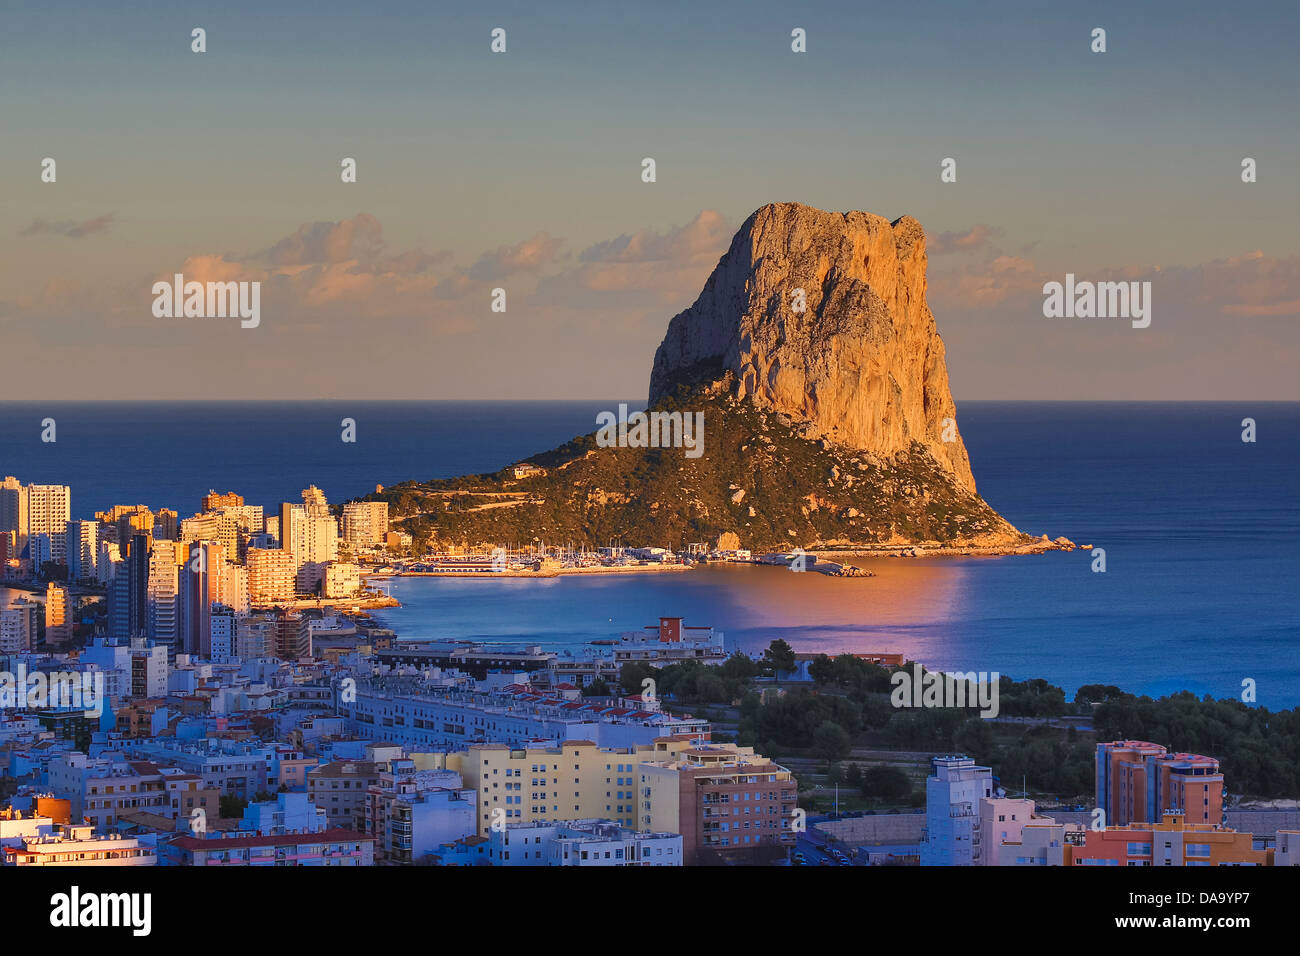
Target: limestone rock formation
[814, 362]
[823, 316]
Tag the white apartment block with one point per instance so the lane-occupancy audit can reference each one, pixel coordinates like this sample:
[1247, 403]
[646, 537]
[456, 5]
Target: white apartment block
[365, 523]
[342, 579]
[18, 626]
[424, 716]
[953, 833]
[271, 574]
[79, 846]
[48, 510]
[162, 593]
[232, 587]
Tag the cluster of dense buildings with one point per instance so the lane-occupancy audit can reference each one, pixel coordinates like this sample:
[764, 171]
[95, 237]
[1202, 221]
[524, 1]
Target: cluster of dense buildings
[246, 739]
[208, 585]
[1153, 808]
[231, 728]
[163, 796]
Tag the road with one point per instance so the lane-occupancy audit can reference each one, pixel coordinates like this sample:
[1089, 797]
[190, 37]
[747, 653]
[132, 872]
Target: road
[816, 845]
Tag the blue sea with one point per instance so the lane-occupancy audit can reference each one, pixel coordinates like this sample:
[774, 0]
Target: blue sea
[1199, 530]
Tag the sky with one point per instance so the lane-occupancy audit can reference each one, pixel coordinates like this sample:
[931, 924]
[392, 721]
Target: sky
[522, 171]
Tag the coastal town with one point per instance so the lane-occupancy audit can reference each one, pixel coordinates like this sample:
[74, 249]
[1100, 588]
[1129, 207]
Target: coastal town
[212, 691]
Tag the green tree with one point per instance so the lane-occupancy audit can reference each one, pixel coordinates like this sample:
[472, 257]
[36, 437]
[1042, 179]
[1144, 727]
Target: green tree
[821, 670]
[779, 657]
[597, 688]
[831, 741]
[633, 672]
[738, 667]
[886, 783]
[975, 737]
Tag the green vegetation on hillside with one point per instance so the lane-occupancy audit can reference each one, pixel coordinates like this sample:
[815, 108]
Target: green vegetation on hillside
[759, 476]
[848, 707]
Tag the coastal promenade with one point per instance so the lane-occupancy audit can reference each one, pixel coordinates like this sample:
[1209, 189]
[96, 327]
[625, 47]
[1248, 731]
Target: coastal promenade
[523, 573]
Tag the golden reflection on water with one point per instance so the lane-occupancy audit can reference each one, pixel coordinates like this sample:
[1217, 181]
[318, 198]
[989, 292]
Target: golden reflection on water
[902, 609]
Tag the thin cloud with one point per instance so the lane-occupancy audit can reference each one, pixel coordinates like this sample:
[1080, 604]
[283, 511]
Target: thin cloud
[708, 235]
[68, 228]
[531, 255]
[978, 237]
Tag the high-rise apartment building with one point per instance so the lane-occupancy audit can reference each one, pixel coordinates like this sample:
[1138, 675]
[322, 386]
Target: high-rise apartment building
[292, 636]
[40, 550]
[232, 588]
[13, 512]
[199, 586]
[166, 524]
[161, 595]
[271, 574]
[212, 500]
[58, 616]
[222, 630]
[953, 829]
[18, 626]
[122, 522]
[106, 564]
[309, 531]
[48, 510]
[1138, 781]
[254, 638]
[82, 550]
[128, 605]
[365, 523]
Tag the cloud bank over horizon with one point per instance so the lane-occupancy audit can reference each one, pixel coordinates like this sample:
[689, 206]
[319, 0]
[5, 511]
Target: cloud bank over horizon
[348, 314]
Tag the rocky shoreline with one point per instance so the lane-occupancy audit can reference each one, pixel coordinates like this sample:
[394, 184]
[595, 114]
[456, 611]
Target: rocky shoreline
[932, 549]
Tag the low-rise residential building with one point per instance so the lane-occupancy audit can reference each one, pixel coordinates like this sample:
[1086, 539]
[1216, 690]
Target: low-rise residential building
[79, 845]
[231, 767]
[340, 788]
[101, 789]
[582, 843]
[669, 642]
[286, 813]
[1017, 836]
[467, 851]
[420, 715]
[342, 579]
[333, 847]
[15, 826]
[1172, 842]
[410, 813]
